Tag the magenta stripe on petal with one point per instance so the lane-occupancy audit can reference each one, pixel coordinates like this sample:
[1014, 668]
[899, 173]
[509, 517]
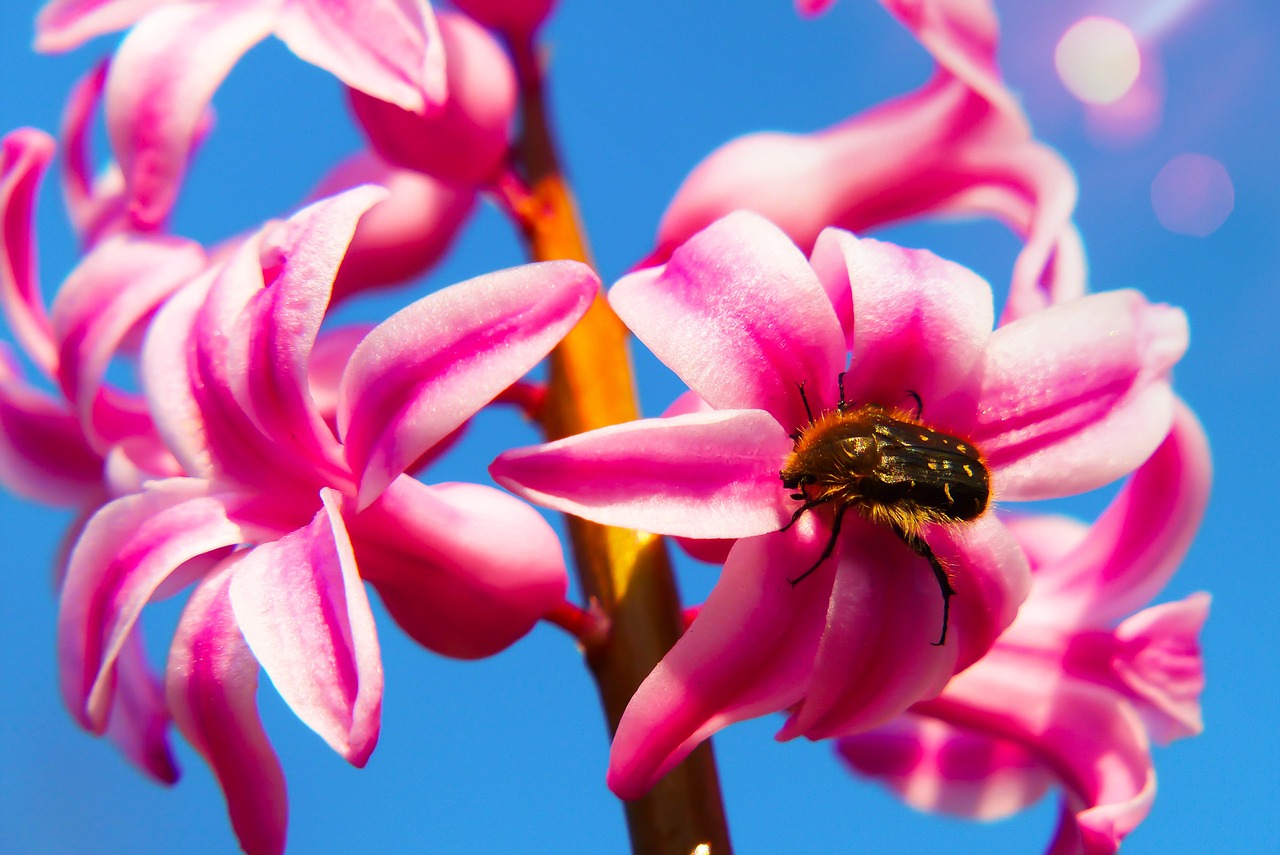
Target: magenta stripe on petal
[302, 608]
[24, 156]
[748, 653]
[1080, 377]
[708, 475]
[118, 284]
[126, 551]
[211, 686]
[162, 77]
[431, 366]
[740, 315]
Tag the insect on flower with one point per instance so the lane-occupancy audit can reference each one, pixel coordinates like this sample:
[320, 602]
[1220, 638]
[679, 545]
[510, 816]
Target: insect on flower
[893, 470]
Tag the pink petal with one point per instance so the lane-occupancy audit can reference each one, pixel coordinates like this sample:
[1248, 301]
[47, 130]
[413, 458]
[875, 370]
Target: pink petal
[167, 376]
[390, 49]
[1078, 377]
[877, 656]
[329, 358]
[113, 289]
[95, 203]
[1087, 735]
[126, 551]
[918, 322]
[748, 653]
[43, 453]
[24, 155]
[211, 684]
[302, 608]
[516, 19]
[66, 24]
[139, 721]
[1160, 664]
[467, 140]
[935, 767]
[962, 37]
[738, 313]
[706, 475]
[1140, 539]
[402, 236]
[270, 339]
[161, 80]
[458, 589]
[431, 366]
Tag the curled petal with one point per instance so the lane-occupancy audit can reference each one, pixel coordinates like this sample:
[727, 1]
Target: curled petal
[1078, 377]
[139, 717]
[748, 653]
[431, 366]
[116, 286]
[268, 350]
[1159, 663]
[405, 234]
[1088, 736]
[934, 766]
[126, 551]
[961, 35]
[24, 156]
[1139, 540]
[876, 657]
[161, 80]
[739, 314]
[95, 203]
[303, 611]
[66, 24]
[391, 49]
[210, 684]
[916, 322]
[43, 452]
[706, 475]
[466, 570]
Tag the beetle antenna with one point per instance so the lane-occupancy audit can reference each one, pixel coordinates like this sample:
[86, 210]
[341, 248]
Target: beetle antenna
[918, 546]
[826, 550]
[915, 396]
[842, 406]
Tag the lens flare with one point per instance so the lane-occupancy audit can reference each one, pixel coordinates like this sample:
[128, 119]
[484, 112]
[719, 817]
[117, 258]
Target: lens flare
[1098, 60]
[1192, 195]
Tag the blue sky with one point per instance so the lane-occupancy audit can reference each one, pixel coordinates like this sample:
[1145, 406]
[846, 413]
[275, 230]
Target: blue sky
[508, 755]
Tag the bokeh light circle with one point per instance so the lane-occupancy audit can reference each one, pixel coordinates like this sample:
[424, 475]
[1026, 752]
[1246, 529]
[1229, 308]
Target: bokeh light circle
[1192, 195]
[1098, 60]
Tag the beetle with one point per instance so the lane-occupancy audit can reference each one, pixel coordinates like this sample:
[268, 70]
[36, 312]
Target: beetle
[890, 468]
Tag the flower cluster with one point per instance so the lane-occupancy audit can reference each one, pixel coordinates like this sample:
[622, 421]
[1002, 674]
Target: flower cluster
[267, 459]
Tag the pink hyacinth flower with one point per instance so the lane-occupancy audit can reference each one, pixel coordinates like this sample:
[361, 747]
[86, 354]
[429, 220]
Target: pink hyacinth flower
[1059, 402]
[88, 441]
[177, 53]
[282, 520]
[1074, 690]
[959, 145]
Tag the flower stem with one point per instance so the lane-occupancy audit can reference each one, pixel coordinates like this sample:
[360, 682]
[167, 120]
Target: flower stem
[627, 573]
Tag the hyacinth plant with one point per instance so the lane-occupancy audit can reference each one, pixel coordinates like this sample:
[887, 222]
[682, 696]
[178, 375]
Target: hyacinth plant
[265, 463]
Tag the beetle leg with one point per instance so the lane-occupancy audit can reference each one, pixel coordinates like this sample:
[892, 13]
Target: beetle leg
[804, 400]
[918, 546]
[842, 406]
[826, 550]
[809, 504]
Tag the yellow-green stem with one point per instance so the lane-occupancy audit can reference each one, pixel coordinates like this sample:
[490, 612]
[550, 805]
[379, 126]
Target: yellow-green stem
[626, 572]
